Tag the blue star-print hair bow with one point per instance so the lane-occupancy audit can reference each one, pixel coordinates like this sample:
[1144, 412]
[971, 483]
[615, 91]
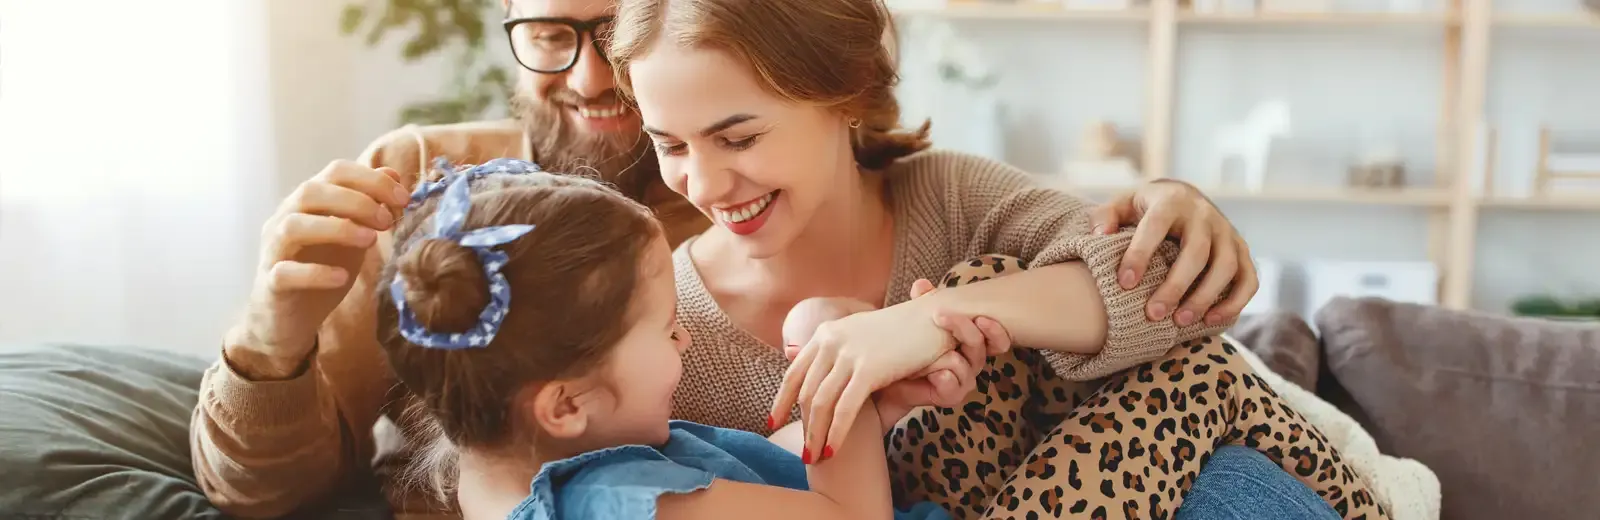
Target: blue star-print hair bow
[447, 222]
[429, 189]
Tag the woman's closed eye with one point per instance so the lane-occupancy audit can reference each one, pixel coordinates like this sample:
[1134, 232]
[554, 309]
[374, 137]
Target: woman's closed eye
[669, 148]
[741, 143]
[735, 144]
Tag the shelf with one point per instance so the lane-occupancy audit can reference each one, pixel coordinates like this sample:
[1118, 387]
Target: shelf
[1319, 18]
[1465, 31]
[1546, 203]
[1419, 197]
[1033, 12]
[1572, 19]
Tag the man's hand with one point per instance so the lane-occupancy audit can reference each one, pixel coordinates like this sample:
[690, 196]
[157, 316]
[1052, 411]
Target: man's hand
[1208, 244]
[312, 249]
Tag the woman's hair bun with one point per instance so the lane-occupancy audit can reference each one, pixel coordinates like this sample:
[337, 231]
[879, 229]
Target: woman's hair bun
[445, 285]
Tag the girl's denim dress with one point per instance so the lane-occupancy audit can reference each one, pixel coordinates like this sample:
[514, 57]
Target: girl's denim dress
[624, 482]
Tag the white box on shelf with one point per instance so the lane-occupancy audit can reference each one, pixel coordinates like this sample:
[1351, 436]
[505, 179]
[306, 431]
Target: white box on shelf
[1269, 294]
[1410, 282]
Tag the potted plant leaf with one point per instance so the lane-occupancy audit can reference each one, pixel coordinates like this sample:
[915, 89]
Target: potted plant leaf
[478, 83]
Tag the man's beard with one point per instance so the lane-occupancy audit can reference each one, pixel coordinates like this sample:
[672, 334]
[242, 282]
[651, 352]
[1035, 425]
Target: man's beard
[623, 159]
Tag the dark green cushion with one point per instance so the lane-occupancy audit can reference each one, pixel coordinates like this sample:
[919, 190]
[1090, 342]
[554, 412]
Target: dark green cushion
[98, 432]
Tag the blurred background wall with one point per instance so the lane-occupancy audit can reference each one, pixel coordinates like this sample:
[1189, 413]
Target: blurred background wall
[143, 143]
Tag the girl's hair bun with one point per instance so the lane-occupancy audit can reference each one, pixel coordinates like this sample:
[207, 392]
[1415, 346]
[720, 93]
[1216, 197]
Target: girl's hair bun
[445, 285]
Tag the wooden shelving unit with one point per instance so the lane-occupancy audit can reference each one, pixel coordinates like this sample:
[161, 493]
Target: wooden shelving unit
[1416, 197]
[1452, 203]
[1551, 203]
[1024, 12]
[1338, 18]
[1551, 20]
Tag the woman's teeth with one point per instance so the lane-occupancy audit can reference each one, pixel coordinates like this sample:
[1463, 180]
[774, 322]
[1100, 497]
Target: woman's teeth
[600, 112]
[748, 211]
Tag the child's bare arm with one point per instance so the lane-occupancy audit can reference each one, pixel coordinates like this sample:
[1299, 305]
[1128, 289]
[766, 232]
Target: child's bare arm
[852, 484]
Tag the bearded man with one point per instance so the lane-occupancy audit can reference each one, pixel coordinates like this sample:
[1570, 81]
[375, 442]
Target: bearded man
[287, 415]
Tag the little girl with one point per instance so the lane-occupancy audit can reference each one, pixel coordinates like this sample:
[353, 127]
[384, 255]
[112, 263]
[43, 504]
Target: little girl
[534, 316]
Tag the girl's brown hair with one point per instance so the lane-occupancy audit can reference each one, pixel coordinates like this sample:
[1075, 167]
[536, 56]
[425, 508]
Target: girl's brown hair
[571, 281]
[829, 52]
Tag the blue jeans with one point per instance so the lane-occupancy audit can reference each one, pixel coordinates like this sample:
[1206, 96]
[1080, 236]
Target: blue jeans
[1240, 483]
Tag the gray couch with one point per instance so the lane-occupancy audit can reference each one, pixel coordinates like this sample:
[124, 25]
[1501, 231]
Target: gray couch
[101, 432]
[1504, 410]
[1501, 409]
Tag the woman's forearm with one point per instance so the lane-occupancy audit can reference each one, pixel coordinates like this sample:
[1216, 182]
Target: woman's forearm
[1055, 307]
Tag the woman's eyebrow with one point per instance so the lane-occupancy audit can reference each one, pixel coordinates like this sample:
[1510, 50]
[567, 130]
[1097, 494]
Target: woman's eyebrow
[707, 131]
[725, 123]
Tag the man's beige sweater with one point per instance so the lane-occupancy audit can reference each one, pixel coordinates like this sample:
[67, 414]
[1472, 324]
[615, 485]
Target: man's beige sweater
[268, 448]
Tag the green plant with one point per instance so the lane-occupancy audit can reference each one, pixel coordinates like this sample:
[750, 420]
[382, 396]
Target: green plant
[1549, 306]
[462, 26]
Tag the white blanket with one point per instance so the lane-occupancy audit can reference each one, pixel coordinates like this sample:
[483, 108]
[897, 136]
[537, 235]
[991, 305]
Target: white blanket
[1407, 489]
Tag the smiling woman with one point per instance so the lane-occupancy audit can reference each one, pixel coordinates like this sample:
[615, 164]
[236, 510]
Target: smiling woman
[812, 129]
[777, 119]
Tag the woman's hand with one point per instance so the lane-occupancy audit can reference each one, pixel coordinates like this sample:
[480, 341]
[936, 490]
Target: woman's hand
[849, 359]
[1208, 243]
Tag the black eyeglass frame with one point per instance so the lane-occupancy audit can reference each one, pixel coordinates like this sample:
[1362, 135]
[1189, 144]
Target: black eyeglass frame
[584, 29]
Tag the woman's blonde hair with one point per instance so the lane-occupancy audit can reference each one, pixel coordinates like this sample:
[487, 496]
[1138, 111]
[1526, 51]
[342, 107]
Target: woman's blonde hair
[829, 52]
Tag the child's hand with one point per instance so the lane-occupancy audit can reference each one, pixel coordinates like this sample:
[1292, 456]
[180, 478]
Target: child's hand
[954, 375]
[995, 337]
[937, 385]
[847, 360]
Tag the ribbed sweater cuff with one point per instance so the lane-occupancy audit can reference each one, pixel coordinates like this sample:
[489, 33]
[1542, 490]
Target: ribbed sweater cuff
[1131, 338]
[286, 405]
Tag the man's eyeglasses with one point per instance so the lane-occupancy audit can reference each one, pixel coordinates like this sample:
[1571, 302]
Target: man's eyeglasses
[551, 45]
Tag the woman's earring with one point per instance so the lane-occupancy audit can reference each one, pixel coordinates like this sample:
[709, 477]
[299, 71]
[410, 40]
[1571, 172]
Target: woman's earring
[855, 123]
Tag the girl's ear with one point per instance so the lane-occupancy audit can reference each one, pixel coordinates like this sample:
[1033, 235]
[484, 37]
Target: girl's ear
[556, 410]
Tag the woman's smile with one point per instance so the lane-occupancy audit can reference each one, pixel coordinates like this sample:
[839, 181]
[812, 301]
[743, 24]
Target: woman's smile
[746, 217]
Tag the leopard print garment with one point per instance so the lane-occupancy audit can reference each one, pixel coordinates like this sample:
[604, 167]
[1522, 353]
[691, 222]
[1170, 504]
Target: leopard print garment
[1028, 444]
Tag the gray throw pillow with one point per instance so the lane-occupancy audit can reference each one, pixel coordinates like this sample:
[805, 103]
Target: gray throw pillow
[1284, 342]
[97, 433]
[1504, 410]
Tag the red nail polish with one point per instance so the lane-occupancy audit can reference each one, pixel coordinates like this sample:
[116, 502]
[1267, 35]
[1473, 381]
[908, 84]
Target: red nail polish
[805, 455]
[772, 424]
[827, 452]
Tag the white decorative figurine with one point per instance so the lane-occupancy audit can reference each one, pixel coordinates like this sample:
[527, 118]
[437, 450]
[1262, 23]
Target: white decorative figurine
[1249, 141]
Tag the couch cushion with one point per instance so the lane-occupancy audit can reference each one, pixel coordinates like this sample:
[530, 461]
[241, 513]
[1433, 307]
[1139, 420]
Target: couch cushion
[95, 432]
[1503, 409]
[1284, 342]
